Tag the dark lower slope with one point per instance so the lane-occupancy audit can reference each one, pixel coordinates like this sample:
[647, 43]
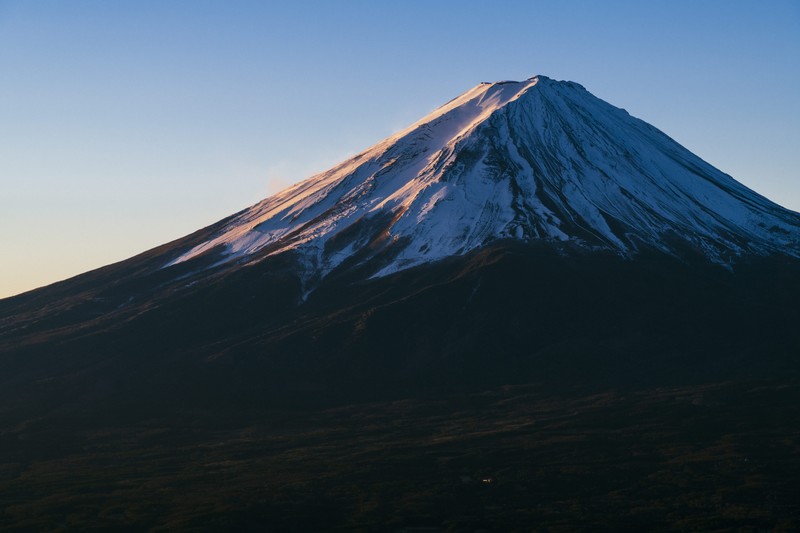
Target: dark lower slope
[715, 457]
[245, 336]
[242, 402]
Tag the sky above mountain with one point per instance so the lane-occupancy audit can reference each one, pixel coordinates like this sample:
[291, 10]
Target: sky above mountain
[123, 126]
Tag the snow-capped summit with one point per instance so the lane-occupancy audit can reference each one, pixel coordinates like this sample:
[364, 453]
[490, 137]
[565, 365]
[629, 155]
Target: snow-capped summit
[533, 160]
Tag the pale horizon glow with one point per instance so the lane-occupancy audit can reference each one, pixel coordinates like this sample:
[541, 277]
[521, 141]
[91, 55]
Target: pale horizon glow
[123, 127]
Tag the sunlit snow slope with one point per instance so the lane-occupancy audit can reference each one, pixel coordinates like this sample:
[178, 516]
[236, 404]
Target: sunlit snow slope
[532, 160]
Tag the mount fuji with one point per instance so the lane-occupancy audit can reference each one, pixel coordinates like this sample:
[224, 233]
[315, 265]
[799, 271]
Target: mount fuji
[528, 296]
[538, 160]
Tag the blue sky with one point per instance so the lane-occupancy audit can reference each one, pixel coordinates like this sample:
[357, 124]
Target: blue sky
[124, 125]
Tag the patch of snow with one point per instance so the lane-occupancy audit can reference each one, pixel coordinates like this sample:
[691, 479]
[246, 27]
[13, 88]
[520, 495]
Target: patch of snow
[537, 159]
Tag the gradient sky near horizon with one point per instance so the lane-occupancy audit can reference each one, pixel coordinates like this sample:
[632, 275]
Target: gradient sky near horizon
[124, 125]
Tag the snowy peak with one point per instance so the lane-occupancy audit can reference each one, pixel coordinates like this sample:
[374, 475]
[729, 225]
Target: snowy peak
[532, 160]
[463, 113]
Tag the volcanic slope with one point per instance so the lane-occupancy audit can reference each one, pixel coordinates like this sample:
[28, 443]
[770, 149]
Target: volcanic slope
[528, 308]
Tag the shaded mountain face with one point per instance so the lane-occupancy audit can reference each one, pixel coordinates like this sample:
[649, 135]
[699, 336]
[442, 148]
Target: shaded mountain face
[538, 160]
